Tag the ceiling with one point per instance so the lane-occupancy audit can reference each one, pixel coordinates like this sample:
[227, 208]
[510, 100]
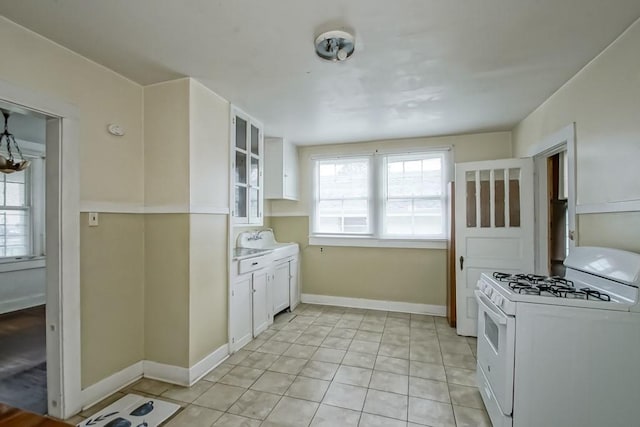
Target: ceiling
[421, 67]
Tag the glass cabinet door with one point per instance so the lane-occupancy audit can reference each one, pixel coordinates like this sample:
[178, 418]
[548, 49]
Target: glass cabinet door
[247, 170]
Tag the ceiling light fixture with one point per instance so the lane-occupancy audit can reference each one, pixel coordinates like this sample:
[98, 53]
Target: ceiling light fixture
[335, 46]
[10, 165]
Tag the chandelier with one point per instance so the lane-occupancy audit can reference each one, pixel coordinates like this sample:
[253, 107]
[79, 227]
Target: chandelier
[10, 164]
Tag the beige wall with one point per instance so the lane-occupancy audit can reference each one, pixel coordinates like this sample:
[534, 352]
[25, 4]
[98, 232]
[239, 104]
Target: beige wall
[209, 116]
[406, 275]
[111, 273]
[208, 285]
[102, 96]
[186, 280]
[166, 145]
[166, 295]
[603, 101]
[111, 172]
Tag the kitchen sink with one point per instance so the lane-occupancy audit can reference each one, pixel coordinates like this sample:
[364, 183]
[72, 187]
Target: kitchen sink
[265, 240]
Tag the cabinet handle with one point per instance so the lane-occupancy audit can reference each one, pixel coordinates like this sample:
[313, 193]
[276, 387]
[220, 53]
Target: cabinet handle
[254, 263]
[461, 262]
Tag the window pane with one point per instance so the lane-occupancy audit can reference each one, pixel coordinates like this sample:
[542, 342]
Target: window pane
[14, 194]
[241, 133]
[241, 168]
[499, 197]
[255, 172]
[255, 140]
[414, 217]
[340, 179]
[514, 197]
[254, 203]
[485, 199]
[14, 233]
[414, 192]
[342, 186]
[470, 183]
[241, 202]
[414, 177]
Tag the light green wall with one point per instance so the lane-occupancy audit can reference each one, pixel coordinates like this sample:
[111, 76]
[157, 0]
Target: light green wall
[112, 295]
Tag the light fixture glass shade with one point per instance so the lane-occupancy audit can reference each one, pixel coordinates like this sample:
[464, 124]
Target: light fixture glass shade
[335, 46]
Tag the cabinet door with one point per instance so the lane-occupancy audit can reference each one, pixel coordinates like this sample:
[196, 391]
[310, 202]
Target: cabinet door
[240, 165]
[260, 301]
[241, 324]
[294, 285]
[281, 287]
[247, 169]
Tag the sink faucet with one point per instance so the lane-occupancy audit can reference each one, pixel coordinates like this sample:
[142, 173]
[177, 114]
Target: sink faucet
[254, 236]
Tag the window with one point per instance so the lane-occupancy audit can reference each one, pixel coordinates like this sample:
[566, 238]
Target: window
[15, 214]
[22, 207]
[343, 196]
[381, 197]
[414, 200]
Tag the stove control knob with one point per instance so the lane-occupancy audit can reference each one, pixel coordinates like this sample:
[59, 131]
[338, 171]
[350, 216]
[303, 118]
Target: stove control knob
[488, 291]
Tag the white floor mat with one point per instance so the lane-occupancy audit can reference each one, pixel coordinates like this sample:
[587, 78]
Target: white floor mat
[132, 411]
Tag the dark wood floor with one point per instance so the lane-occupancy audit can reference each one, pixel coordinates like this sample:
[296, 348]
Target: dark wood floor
[13, 417]
[23, 373]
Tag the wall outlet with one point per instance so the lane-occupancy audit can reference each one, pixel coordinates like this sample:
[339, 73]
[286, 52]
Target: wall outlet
[93, 219]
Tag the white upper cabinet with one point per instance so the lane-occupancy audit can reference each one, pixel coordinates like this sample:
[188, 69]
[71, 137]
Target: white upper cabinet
[247, 161]
[281, 169]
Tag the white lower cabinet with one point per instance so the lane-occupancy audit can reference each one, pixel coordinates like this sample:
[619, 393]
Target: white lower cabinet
[261, 308]
[250, 306]
[259, 294]
[241, 317]
[281, 287]
[286, 292]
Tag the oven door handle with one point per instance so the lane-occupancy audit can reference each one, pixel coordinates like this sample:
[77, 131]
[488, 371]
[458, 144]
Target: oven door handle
[499, 318]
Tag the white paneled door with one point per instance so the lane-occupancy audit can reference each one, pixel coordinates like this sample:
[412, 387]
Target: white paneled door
[494, 227]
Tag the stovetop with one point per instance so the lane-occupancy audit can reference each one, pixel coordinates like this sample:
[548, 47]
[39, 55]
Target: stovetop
[549, 286]
[577, 289]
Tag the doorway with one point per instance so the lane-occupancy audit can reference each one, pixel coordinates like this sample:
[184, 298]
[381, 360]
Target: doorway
[62, 194]
[23, 283]
[555, 200]
[558, 213]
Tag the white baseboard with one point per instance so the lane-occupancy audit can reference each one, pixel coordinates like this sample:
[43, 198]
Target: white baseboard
[167, 373]
[374, 304]
[98, 391]
[154, 370]
[208, 363]
[22, 303]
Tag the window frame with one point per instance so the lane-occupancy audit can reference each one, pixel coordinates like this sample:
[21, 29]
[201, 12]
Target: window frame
[377, 182]
[316, 196]
[35, 201]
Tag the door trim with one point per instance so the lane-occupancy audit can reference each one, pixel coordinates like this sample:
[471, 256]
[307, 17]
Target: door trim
[64, 390]
[561, 140]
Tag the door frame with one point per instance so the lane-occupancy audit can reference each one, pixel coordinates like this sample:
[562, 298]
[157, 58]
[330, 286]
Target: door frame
[64, 387]
[563, 139]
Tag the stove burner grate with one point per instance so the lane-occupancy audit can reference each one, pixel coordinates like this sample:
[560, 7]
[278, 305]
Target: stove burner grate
[533, 284]
[590, 293]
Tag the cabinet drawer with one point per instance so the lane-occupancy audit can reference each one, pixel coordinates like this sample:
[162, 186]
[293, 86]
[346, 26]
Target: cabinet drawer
[252, 264]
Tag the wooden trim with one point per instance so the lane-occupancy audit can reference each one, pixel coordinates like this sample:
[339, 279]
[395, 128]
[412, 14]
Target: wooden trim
[451, 258]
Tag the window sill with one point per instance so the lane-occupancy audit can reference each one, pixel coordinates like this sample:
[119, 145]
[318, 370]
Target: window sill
[370, 242]
[22, 263]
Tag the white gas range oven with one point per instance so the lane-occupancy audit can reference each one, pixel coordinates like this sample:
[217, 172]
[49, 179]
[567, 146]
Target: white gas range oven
[562, 351]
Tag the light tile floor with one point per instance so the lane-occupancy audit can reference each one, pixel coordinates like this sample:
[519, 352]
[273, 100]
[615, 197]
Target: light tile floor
[334, 366]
